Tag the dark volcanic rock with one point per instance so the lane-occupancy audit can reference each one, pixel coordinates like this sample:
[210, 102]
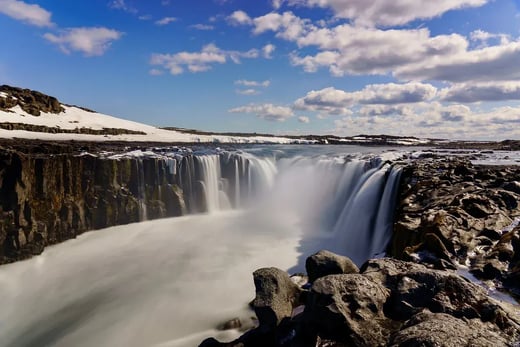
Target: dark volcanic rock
[57, 130]
[349, 308]
[391, 303]
[439, 329]
[276, 296]
[47, 198]
[30, 101]
[327, 263]
[454, 212]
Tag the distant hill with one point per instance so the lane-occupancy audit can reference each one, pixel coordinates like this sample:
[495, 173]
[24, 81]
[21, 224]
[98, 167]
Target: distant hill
[29, 114]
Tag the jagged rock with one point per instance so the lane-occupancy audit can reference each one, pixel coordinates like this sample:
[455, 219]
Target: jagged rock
[513, 186]
[276, 296]
[391, 303]
[443, 330]
[433, 251]
[326, 263]
[466, 207]
[329, 343]
[348, 308]
[30, 101]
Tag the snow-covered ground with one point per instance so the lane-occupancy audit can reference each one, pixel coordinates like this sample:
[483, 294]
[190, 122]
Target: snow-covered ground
[74, 117]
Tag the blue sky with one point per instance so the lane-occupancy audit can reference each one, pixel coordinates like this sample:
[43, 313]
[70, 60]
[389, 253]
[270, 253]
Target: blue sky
[446, 68]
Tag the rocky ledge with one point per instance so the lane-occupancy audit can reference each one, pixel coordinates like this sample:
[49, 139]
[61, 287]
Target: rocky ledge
[32, 102]
[453, 214]
[388, 302]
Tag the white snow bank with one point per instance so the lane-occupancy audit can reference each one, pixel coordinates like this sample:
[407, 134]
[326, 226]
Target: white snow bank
[74, 117]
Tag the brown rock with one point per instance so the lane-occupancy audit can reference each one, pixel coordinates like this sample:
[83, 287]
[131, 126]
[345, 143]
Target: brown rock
[326, 263]
[276, 296]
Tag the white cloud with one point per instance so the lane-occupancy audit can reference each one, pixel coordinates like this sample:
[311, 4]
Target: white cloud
[247, 83]
[202, 27]
[303, 119]
[268, 50]
[268, 112]
[89, 41]
[487, 64]
[407, 54]
[145, 17]
[333, 101]
[122, 5]
[199, 61]
[434, 120]
[392, 93]
[166, 20]
[477, 92]
[389, 13]
[156, 72]
[250, 91]
[346, 49]
[286, 25]
[239, 18]
[484, 38]
[277, 3]
[385, 110]
[28, 13]
[349, 49]
[329, 101]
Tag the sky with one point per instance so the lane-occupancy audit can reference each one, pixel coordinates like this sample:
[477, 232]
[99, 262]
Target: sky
[436, 69]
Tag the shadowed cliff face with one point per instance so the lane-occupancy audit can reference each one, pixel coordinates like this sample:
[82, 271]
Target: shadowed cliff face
[46, 199]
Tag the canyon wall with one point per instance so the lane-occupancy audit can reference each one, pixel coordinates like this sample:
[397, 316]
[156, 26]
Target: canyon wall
[50, 193]
[46, 199]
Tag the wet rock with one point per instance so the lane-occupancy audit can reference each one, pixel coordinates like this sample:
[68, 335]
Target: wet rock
[234, 323]
[326, 263]
[329, 343]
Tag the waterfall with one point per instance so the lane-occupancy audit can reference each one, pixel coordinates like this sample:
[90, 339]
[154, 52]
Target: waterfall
[347, 198]
[347, 202]
[209, 166]
[189, 274]
[141, 190]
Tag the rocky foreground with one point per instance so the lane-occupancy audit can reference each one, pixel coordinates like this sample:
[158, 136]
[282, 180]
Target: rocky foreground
[452, 216]
[387, 303]
[452, 213]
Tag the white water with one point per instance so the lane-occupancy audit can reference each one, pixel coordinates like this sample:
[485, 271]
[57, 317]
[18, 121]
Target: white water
[171, 282]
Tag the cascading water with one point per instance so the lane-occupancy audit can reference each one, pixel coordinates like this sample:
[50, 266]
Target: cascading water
[171, 282]
[141, 190]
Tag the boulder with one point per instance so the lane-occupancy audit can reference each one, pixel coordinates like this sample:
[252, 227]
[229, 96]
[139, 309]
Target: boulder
[389, 303]
[276, 296]
[326, 263]
[348, 308]
[513, 186]
[443, 330]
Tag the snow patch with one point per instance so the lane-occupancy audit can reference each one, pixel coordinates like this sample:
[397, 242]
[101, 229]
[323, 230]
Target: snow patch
[75, 118]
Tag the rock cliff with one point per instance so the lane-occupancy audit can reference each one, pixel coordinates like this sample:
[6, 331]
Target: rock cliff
[49, 194]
